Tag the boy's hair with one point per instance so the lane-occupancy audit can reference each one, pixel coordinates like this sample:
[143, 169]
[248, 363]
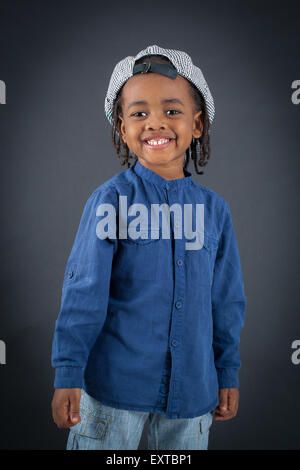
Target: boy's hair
[192, 152]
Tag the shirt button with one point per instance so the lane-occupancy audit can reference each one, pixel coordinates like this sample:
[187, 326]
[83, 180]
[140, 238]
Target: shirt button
[71, 274]
[174, 342]
[178, 304]
[179, 262]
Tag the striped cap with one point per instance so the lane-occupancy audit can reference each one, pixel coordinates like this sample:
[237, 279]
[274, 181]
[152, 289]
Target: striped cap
[180, 60]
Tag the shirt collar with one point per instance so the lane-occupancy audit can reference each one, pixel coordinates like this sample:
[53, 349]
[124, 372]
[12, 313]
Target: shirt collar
[153, 177]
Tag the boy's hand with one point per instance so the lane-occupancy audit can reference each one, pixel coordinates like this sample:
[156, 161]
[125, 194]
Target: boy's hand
[65, 407]
[228, 404]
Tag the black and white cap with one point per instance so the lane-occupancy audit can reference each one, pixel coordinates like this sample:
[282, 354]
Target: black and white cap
[182, 64]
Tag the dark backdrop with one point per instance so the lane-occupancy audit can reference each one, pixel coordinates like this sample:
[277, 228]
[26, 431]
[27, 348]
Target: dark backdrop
[56, 59]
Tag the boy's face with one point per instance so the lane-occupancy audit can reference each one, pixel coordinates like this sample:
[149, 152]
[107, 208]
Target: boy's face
[158, 119]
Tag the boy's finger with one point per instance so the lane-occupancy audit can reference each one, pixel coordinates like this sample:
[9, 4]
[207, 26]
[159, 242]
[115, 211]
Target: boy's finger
[61, 415]
[223, 401]
[74, 415]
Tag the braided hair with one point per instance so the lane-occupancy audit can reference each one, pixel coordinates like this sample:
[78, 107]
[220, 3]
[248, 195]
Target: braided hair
[199, 149]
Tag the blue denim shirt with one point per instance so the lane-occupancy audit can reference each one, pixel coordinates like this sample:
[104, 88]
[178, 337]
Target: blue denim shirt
[146, 324]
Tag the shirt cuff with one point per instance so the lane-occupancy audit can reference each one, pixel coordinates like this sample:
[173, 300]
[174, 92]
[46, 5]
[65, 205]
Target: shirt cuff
[68, 377]
[228, 378]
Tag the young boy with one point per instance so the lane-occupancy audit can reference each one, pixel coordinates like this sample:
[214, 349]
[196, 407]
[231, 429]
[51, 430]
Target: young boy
[153, 297]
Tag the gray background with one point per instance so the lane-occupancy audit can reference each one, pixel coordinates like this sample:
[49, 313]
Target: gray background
[56, 58]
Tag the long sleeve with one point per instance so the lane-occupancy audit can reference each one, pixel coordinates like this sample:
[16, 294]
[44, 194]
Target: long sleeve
[85, 295]
[228, 305]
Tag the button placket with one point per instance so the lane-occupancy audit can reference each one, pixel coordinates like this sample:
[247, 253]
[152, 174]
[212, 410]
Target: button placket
[177, 311]
[165, 381]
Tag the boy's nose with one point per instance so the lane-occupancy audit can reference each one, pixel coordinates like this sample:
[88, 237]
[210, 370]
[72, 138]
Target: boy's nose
[155, 124]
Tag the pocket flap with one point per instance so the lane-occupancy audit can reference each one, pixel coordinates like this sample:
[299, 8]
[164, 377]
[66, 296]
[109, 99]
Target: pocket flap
[144, 236]
[91, 425]
[210, 242]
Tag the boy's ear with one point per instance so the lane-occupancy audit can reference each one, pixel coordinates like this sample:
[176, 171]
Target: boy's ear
[122, 129]
[198, 125]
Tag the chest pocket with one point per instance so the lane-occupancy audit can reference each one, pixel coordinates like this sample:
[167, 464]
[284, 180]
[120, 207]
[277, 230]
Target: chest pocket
[201, 262]
[138, 259]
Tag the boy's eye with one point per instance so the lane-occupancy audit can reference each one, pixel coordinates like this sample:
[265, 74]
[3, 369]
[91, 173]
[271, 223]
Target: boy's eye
[140, 112]
[175, 110]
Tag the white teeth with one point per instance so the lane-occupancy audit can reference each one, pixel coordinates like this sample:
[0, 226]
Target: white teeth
[157, 142]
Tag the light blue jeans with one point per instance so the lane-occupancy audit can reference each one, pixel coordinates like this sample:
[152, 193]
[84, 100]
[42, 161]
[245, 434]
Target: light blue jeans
[107, 428]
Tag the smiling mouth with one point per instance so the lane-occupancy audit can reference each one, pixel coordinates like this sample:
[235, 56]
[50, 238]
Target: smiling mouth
[158, 145]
